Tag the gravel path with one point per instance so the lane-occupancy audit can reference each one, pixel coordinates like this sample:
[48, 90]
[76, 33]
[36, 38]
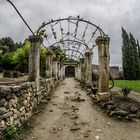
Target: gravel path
[71, 115]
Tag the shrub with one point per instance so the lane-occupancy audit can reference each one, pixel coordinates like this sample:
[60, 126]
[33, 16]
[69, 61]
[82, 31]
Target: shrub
[126, 91]
[12, 132]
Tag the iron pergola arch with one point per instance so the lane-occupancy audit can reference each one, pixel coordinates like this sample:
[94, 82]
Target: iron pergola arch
[73, 19]
[56, 35]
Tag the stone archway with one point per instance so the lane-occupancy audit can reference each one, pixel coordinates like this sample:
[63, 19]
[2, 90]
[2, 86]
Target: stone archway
[70, 71]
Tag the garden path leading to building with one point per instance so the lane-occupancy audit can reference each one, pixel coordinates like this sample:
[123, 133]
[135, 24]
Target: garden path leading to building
[71, 115]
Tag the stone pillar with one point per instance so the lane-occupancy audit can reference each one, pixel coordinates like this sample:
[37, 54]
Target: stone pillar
[88, 70]
[82, 77]
[62, 71]
[49, 64]
[59, 70]
[55, 69]
[103, 54]
[79, 71]
[76, 72]
[34, 59]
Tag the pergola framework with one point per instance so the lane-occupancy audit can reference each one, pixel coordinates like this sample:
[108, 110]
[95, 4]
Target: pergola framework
[71, 32]
[80, 44]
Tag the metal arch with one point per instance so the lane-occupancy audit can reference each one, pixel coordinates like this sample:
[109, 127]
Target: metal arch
[67, 40]
[74, 51]
[72, 56]
[73, 18]
[69, 49]
[80, 41]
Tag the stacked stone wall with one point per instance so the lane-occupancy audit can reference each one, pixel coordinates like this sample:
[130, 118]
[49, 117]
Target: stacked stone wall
[17, 102]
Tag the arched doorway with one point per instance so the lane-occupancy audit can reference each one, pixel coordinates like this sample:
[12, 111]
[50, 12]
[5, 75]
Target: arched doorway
[70, 71]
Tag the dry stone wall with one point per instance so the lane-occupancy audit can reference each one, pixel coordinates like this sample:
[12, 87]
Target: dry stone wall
[17, 102]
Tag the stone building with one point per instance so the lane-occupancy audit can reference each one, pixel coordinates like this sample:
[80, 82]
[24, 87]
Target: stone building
[114, 71]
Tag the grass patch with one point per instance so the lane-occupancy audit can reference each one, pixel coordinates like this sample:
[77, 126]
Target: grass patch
[134, 84]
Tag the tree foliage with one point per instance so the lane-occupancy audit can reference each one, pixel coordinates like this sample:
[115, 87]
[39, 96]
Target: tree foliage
[130, 57]
[7, 61]
[59, 54]
[7, 44]
[21, 57]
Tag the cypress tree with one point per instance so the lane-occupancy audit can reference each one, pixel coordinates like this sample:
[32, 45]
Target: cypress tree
[130, 56]
[125, 54]
[138, 49]
[135, 57]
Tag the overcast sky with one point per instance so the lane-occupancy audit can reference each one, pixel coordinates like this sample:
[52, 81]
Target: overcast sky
[111, 15]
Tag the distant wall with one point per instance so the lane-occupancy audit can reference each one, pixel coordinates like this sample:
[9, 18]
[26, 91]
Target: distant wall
[114, 71]
[17, 102]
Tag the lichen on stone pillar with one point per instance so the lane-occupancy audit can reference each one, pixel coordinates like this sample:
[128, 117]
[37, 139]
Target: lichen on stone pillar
[82, 70]
[55, 69]
[103, 54]
[88, 68]
[34, 59]
[49, 64]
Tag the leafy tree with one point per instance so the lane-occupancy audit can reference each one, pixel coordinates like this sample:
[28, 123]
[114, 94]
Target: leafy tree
[21, 57]
[7, 61]
[130, 60]
[135, 54]
[42, 61]
[7, 44]
[125, 54]
[59, 54]
[138, 49]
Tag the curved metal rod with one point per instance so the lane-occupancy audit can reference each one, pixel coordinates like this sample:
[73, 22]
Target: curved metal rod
[72, 56]
[73, 18]
[74, 51]
[69, 49]
[61, 41]
[21, 17]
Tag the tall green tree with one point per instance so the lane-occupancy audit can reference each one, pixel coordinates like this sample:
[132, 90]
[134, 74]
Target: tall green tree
[125, 54]
[21, 58]
[130, 57]
[136, 65]
[138, 49]
[7, 44]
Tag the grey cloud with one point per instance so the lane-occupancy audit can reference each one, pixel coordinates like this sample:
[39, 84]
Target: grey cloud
[111, 15]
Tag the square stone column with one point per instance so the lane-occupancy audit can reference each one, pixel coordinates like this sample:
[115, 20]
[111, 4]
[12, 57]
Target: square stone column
[88, 68]
[79, 71]
[76, 71]
[55, 69]
[59, 70]
[49, 64]
[82, 77]
[104, 57]
[62, 71]
[34, 59]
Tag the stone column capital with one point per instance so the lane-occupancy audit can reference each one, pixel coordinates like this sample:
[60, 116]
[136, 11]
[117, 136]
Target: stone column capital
[102, 40]
[35, 38]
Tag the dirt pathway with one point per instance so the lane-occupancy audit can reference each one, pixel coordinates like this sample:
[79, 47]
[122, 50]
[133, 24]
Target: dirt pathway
[71, 115]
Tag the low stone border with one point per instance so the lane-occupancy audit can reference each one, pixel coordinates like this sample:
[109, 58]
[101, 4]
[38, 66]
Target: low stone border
[120, 109]
[17, 102]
